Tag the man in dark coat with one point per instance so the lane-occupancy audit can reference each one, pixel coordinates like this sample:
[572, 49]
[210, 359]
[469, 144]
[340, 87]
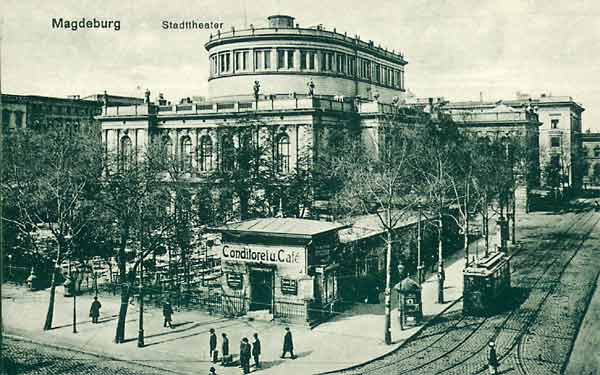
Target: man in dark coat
[288, 344]
[245, 355]
[256, 351]
[225, 349]
[95, 310]
[493, 359]
[167, 313]
[212, 344]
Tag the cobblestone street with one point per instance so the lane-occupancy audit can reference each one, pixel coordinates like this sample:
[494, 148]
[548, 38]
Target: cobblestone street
[28, 358]
[553, 279]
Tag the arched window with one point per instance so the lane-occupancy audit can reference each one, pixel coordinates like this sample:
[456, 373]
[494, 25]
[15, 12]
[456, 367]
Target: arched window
[126, 152]
[283, 153]
[227, 153]
[186, 153]
[206, 154]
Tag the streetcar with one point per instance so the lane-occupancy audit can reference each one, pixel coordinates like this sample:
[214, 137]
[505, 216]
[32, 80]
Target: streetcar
[486, 285]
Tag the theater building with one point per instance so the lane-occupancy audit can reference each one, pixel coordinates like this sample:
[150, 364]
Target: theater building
[296, 88]
[282, 268]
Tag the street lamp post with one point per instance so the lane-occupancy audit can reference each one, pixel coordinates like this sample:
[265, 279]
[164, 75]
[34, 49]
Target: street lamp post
[441, 274]
[74, 284]
[419, 265]
[140, 342]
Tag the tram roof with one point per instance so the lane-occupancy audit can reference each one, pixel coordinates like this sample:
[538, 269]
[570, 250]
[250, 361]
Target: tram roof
[487, 265]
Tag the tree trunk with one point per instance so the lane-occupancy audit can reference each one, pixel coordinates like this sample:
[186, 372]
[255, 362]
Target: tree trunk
[50, 313]
[466, 240]
[388, 289]
[122, 264]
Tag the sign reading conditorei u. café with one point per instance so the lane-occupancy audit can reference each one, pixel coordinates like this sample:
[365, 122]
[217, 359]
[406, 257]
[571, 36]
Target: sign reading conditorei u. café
[293, 256]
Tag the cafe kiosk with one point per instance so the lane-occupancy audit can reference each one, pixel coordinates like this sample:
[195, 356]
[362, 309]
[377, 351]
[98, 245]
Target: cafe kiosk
[280, 268]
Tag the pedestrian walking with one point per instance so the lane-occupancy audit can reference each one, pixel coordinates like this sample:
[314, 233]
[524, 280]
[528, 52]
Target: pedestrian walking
[245, 355]
[95, 310]
[288, 344]
[212, 371]
[226, 361]
[256, 351]
[493, 359]
[167, 313]
[212, 345]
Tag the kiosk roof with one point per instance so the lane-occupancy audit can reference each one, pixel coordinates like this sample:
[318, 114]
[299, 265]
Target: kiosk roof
[284, 226]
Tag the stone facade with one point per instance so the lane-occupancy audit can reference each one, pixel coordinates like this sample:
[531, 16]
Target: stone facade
[42, 112]
[591, 155]
[559, 132]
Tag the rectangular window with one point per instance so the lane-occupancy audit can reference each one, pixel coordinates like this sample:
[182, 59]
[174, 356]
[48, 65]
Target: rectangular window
[267, 60]
[311, 60]
[228, 62]
[280, 59]
[290, 59]
[554, 123]
[238, 61]
[554, 141]
[330, 61]
[303, 57]
[323, 62]
[257, 59]
[222, 63]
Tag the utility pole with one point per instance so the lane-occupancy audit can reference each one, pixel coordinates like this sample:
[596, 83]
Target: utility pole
[388, 281]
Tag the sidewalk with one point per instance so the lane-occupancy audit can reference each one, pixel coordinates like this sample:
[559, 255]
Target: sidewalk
[353, 337]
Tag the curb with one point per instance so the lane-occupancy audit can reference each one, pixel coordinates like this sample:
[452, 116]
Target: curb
[102, 356]
[400, 346]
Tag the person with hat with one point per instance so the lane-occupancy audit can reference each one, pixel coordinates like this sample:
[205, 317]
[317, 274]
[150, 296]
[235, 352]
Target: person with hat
[256, 351]
[212, 344]
[226, 358]
[95, 310]
[212, 371]
[245, 355]
[493, 358]
[167, 313]
[288, 344]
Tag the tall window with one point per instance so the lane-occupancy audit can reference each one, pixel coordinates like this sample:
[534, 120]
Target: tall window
[126, 152]
[206, 154]
[241, 60]
[290, 59]
[554, 141]
[262, 59]
[5, 118]
[597, 152]
[554, 123]
[283, 153]
[186, 154]
[227, 153]
[224, 62]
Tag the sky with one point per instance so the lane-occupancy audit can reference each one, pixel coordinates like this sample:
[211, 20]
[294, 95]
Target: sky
[455, 49]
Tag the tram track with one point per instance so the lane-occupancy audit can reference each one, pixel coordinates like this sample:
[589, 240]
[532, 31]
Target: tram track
[540, 264]
[533, 315]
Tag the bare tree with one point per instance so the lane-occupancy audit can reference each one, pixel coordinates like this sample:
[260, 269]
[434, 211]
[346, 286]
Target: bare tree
[50, 178]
